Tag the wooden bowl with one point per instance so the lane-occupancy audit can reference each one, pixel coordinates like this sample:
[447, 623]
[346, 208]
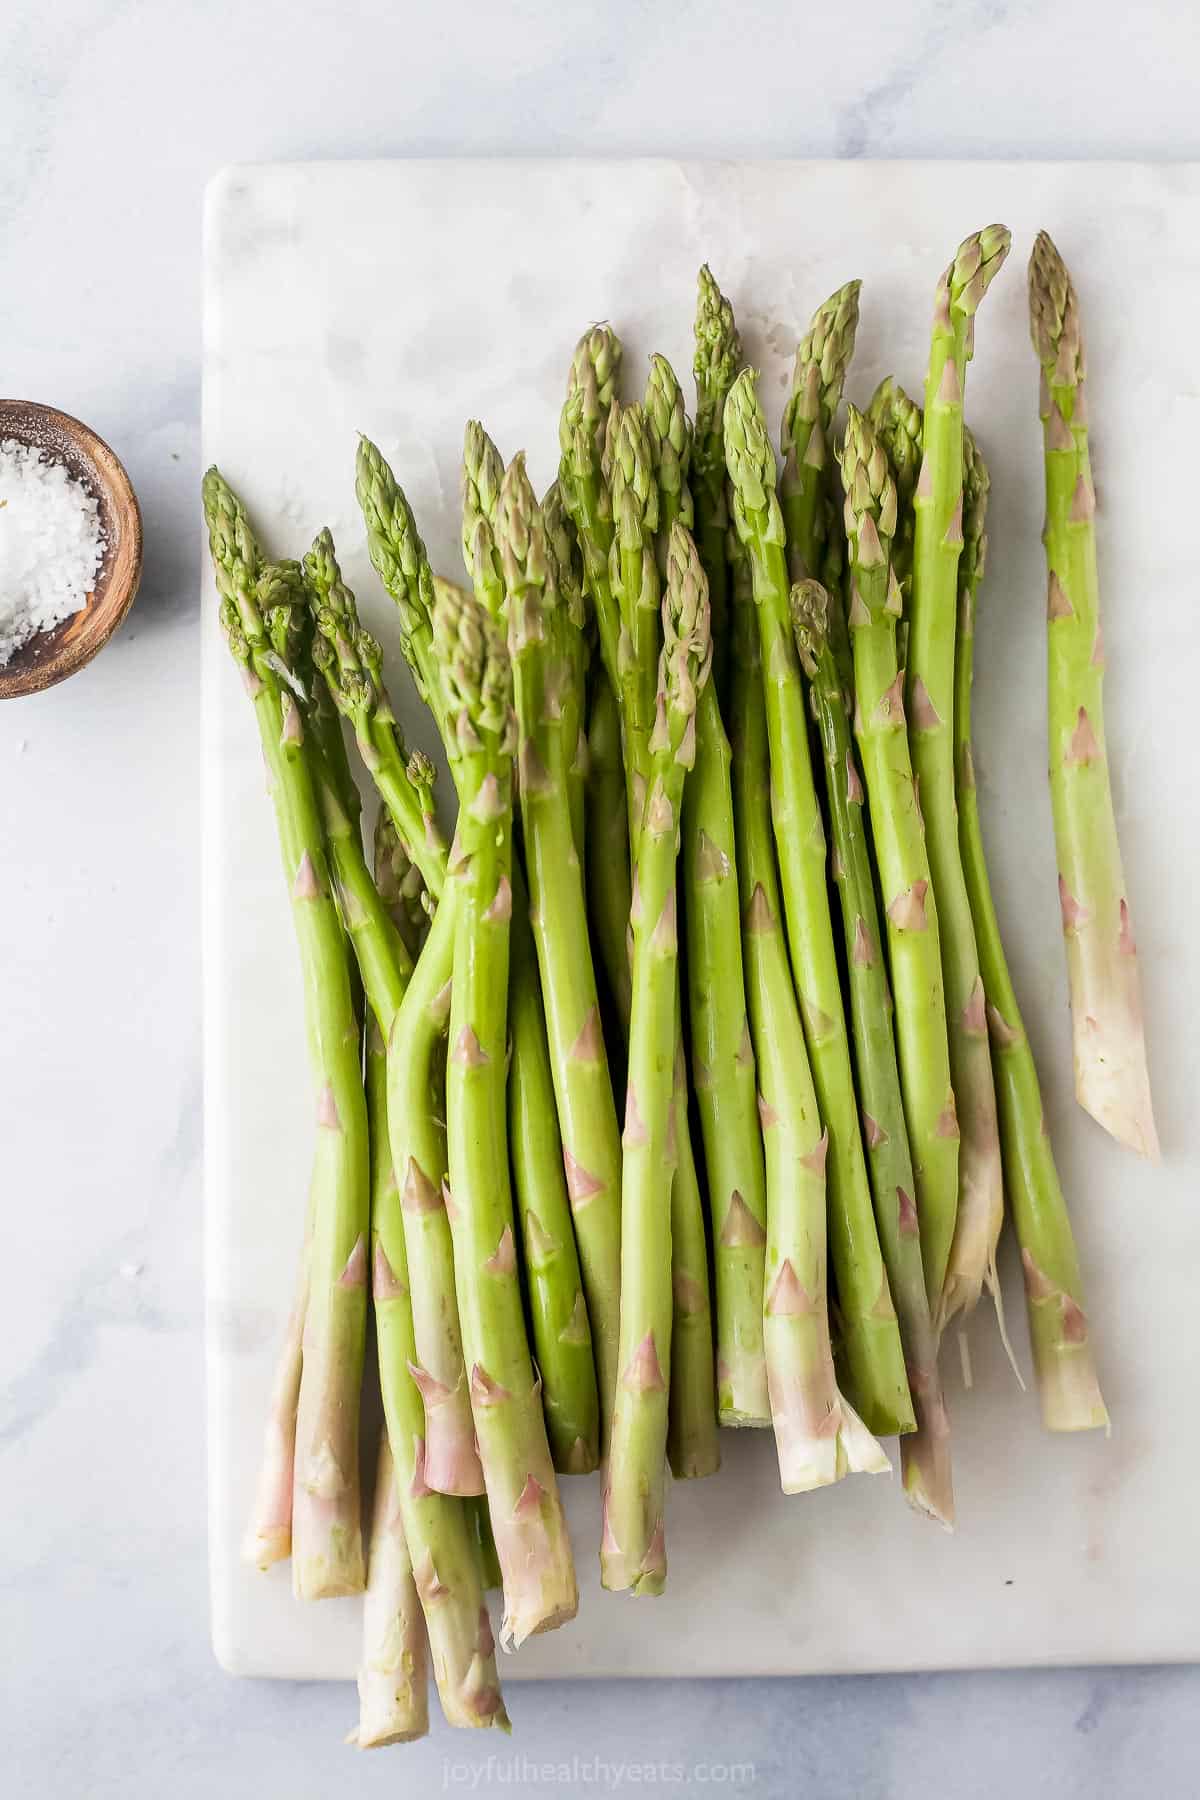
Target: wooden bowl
[50, 656]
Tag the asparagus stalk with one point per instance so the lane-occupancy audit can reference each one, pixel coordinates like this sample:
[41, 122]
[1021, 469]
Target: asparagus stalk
[607, 829]
[439, 1529]
[908, 889]
[717, 359]
[568, 567]
[722, 1055]
[693, 1439]
[268, 1537]
[641, 511]
[539, 641]
[397, 877]
[924, 1453]
[582, 481]
[531, 1535]
[929, 705]
[805, 488]
[898, 425]
[1112, 1081]
[261, 610]
[562, 1336]
[819, 1438]
[393, 1697]
[633, 1547]
[1058, 1326]
[872, 1338]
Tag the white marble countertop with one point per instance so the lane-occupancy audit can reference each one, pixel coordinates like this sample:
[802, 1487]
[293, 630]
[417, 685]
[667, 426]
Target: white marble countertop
[114, 115]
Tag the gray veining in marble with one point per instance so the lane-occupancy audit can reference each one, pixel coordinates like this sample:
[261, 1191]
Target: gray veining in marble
[114, 113]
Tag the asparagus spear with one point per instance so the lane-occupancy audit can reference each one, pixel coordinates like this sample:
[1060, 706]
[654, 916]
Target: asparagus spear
[717, 360]
[268, 1537]
[398, 879]
[539, 641]
[1058, 1325]
[873, 1348]
[568, 567]
[924, 1453]
[805, 488]
[907, 886]
[260, 613]
[439, 1529]
[722, 1055]
[531, 1535]
[609, 892]
[929, 705]
[899, 426]
[582, 432]
[1111, 1077]
[819, 1438]
[393, 1698]
[633, 1551]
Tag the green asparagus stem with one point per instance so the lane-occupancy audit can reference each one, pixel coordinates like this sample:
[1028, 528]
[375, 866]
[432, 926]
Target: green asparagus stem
[558, 1315]
[607, 826]
[419, 1229]
[568, 566]
[1112, 1081]
[819, 1438]
[806, 437]
[393, 1680]
[872, 1337]
[489, 1562]
[260, 615]
[914, 953]
[693, 1438]
[924, 1453]
[640, 509]
[539, 641]
[633, 1547]
[439, 1529]
[929, 706]
[531, 1535]
[1058, 1325]
[722, 1057]
[717, 360]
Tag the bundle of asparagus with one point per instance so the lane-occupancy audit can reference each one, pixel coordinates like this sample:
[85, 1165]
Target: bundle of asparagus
[651, 850]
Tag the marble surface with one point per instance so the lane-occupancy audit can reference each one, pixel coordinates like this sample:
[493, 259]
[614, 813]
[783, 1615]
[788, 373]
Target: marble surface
[115, 113]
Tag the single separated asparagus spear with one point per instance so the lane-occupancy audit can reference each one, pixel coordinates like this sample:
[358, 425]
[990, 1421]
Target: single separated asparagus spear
[439, 1529]
[523, 1498]
[929, 706]
[633, 1549]
[907, 886]
[806, 436]
[872, 1338]
[1058, 1327]
[925, 1452]
[1112, 1081]
[818, 1436]
[722, 1053]
[260, 614]
[716, 362]
[539, 641]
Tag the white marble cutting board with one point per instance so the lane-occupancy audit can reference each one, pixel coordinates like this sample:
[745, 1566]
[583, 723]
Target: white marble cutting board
[399, 298]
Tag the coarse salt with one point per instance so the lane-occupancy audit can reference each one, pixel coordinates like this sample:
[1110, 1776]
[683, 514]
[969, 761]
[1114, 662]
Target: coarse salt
[51, 544]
